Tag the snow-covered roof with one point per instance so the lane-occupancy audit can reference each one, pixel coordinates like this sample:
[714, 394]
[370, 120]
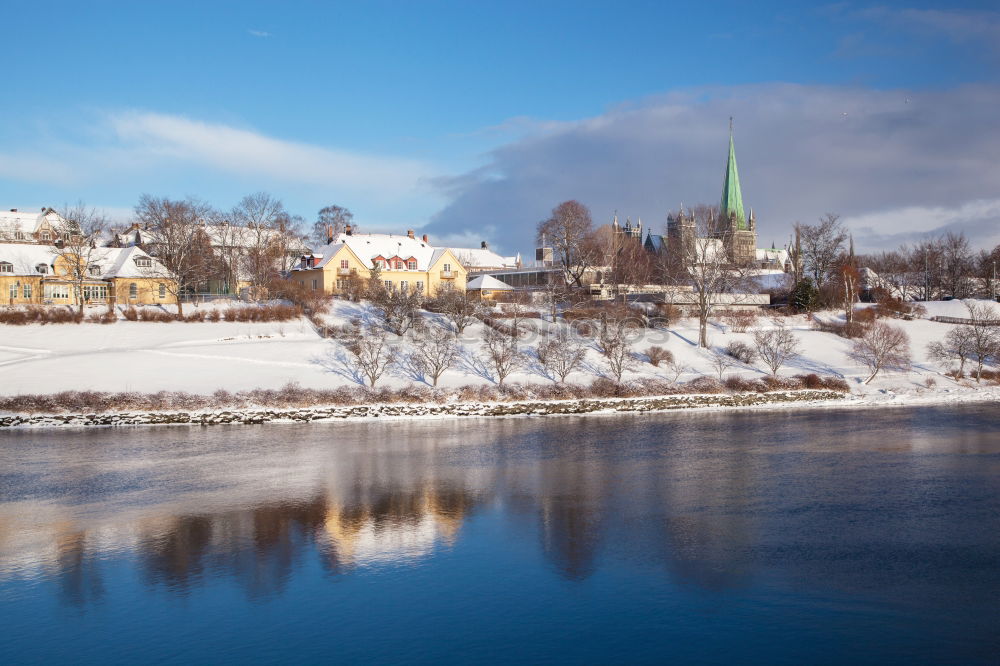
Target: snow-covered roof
[219, 235]
[479, 258]
[369, 247]
[12, 221]
[487, 282]
[778, 256]
[112, 262]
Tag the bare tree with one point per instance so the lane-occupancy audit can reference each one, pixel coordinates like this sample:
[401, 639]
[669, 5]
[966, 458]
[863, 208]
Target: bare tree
[432, 352]
[372, 353]
[260, 219]
[704, 274]
[721, 361]
[398, 308]
[959, 345]
[77, 239]
[458, 307]
[331, 221]
[776, 347]
[502, 353]
[821, 245]
[569, 230]
[983, 334]
[616, 347]
[178, 241]
[675, 369]
[882, 346]
[561, 354]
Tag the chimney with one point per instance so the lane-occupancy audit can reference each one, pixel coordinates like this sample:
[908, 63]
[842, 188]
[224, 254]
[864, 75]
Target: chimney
[426, 239]
[409, 233]
[329, 233]
[347, 230]
[485, 245]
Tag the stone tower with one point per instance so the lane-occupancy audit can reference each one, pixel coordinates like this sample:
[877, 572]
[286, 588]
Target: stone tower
[737, 231]
[681, 233]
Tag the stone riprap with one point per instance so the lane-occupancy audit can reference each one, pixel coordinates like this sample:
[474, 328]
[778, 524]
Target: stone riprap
[455, 409]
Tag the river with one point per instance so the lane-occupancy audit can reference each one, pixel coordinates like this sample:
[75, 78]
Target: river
[795, 536]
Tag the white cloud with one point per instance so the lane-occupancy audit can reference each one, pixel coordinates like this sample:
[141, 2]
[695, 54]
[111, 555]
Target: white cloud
[802, 151]
[259, 33]
[234, 150]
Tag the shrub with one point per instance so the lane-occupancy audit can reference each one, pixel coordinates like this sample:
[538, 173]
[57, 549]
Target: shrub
[740, 320]
[865, 315]
[742, 352]
[740, 384]
[810, 381]
[153, 314]
[313, 301]
[131, 314]
[106, 317]
[704, 385]
[658, 355]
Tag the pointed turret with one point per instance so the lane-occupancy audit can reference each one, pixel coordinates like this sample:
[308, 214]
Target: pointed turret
[731, 207]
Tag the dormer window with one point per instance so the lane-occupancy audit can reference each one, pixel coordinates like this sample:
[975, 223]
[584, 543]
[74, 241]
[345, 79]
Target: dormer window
[411, 264]
[94, 269]
[143, 262]
[19, 235]
[6, 267]
[42, 268]
[45, 236]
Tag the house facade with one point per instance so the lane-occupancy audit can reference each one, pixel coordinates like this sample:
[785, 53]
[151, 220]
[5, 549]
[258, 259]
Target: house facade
[403, 262]
[41, 228]
[37, 274]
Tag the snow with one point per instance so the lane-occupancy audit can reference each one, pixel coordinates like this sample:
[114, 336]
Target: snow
[204, 357]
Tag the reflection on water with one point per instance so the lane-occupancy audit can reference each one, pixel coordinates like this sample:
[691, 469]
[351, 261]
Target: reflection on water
[827, 513]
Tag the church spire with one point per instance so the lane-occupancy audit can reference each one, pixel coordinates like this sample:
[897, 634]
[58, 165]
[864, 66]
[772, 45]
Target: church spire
[732, 198]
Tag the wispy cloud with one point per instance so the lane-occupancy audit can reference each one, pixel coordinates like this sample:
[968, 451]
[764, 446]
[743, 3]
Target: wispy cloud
[954, 24]
[259, 33]
[230, 149]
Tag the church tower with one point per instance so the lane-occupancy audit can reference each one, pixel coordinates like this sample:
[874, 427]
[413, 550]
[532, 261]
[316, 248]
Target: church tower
[737, 231]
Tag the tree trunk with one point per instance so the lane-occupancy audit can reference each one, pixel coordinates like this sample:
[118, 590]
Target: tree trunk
[703, 331]
[180, 304]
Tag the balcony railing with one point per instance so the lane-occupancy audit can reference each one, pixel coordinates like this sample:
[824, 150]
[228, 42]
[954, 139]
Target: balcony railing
[447, 275]
[345, 271]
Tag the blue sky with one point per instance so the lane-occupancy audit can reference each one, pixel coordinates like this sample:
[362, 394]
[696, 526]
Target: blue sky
[473, 119]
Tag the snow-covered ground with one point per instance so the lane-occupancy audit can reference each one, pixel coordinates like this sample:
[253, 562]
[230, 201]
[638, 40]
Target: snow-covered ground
[204, 357]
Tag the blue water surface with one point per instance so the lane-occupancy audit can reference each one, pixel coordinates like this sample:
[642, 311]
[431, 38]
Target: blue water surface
[828, 536]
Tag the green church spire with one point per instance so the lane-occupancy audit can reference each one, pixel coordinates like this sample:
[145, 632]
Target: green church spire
[732, 198]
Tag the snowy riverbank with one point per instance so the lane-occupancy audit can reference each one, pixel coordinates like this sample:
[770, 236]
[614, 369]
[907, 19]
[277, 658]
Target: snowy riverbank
[774, 400]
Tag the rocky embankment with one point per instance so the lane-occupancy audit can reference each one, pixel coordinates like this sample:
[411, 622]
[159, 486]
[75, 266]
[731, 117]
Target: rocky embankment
[456, 409]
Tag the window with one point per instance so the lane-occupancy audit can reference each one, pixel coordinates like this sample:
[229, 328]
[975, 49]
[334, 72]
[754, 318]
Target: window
[94, 270]
[420, 286]
[343, 263]
[6, 267]
[56, 291]
[18, 235]
[133, 290]
[412, 265]
[13, 290]
[341, 284]
[163, 290]
[42, 268]
[143, 262]
[95, 292]
[404, 285]
[26, 290]
[388, 285]
[65, 236]
[315, 284]
[45, 236]
[447, 268]
[399, 264]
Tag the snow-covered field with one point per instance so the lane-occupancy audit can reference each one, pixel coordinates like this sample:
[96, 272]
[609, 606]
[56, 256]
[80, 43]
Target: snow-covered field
[204, 357]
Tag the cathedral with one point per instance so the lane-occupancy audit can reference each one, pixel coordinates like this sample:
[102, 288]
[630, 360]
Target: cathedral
[733, 229]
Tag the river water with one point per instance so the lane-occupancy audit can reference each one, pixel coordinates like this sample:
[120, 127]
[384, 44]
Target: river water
[827, 536]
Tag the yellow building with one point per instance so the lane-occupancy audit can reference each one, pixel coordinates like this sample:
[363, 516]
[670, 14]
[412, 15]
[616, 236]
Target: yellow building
[404, 263]
[33, 274]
